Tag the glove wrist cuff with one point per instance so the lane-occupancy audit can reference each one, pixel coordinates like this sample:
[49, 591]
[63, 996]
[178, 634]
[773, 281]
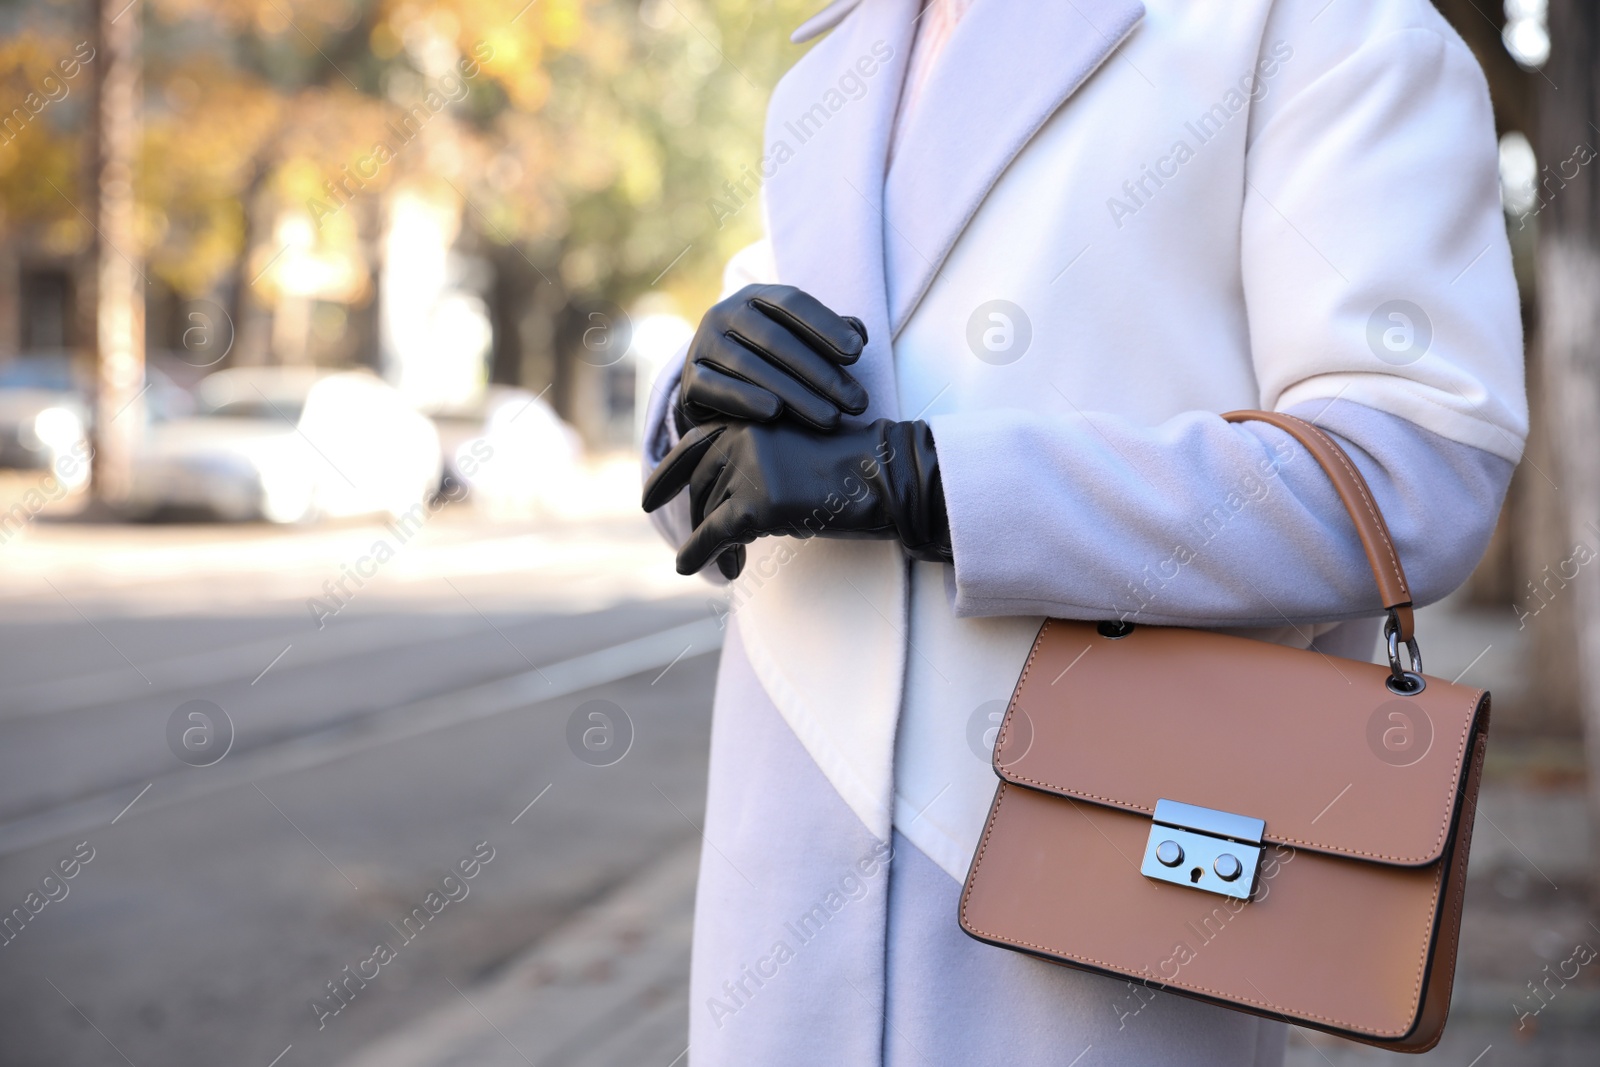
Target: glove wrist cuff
[913, 491]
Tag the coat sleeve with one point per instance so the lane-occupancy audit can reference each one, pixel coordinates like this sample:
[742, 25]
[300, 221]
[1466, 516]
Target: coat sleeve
[1381, 306]
[748, 266]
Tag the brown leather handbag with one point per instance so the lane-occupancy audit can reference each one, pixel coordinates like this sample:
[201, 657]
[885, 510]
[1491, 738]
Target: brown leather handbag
[1266, 828]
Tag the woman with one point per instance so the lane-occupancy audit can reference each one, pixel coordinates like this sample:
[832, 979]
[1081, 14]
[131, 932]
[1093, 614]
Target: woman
[1018, 258]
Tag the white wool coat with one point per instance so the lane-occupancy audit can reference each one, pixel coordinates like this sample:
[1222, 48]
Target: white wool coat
[1107, 222]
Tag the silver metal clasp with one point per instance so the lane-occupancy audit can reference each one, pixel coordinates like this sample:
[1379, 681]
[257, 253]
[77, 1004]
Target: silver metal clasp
[1408, 683]
[1203, 848]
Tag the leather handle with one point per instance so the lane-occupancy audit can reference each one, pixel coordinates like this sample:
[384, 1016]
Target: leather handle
[1357, 498]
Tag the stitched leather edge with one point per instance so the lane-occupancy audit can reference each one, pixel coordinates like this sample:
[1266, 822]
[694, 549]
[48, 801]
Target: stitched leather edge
[1416, 990]
[1459, 875]
[1058, 790]
[1381, 527]
[1016, 695]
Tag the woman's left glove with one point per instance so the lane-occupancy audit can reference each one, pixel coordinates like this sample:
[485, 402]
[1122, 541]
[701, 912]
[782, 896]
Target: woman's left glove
[750, 480]
[769, 352]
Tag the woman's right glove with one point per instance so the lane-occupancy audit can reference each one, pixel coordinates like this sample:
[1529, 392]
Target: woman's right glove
[747, 481]
[771, 350]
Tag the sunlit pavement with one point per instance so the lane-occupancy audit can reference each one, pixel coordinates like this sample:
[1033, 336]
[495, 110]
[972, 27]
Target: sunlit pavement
[412, 720]
[392, 726]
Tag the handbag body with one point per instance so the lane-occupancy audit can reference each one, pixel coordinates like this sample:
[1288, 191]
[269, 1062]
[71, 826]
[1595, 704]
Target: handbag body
[1266, 828]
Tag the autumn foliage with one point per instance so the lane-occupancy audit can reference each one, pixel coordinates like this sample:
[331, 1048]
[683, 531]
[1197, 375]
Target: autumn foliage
[588, 135]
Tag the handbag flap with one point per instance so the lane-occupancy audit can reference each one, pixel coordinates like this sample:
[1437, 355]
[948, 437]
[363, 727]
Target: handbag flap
[1317, 746]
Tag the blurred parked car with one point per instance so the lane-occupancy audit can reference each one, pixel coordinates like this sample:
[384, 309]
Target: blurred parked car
[516, 457]
[289, 444]
[47, 411]
[44, 413]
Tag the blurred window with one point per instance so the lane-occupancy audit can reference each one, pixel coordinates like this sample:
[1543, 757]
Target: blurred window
[46, 307]
[38, 373]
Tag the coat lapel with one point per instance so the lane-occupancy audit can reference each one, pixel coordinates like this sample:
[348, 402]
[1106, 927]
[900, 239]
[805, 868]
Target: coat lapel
[827, 137]
[1007, 68]
[823, 20]
[823, 620]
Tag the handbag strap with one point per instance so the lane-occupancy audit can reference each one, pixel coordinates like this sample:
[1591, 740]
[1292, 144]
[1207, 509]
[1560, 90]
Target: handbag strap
[1370, 527]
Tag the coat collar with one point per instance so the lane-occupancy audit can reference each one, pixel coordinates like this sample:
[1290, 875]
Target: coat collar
[1008, 67]
[823, 20]
[827, 139]
[869, 247]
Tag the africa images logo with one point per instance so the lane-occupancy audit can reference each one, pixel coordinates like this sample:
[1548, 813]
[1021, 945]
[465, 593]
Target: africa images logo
[999, 332]
[1399, 732]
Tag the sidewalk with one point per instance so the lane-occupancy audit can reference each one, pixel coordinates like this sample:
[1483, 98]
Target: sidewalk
[608, 989]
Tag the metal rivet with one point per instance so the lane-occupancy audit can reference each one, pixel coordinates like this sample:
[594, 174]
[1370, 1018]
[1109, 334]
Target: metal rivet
[1170, 853]
[1228, 867]
[1414, 684]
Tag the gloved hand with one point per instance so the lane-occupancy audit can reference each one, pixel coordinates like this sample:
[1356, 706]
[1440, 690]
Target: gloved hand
[748, 480]
[768, 350]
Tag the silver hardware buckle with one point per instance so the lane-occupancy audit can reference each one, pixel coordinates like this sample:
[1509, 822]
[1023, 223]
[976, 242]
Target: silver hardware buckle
[1406, 683]
[1202, 848]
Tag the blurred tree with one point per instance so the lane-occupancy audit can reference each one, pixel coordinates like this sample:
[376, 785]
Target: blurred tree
[600, 171]
[41, 125]
[118, 284]
[588, 141]
[1569, 331]
[1532, 531]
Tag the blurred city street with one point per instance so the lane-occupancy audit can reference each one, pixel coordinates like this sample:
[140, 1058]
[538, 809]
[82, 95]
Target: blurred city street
[354, 715]
[424, 723]
[444, 714]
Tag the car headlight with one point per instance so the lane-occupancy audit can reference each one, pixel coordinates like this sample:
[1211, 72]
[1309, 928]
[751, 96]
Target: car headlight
[58, 429]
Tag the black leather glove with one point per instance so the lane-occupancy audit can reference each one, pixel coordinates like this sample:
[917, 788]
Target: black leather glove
[748, 480]
[768, 350]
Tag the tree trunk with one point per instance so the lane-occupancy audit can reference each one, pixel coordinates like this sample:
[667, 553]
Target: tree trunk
[1569, 333]
[245, 314]
[119, 281]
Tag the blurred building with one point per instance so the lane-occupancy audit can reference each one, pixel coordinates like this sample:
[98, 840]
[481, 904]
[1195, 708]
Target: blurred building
[424, 303]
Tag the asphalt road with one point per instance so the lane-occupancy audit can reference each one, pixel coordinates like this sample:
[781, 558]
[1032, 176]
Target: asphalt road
[430, 724]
